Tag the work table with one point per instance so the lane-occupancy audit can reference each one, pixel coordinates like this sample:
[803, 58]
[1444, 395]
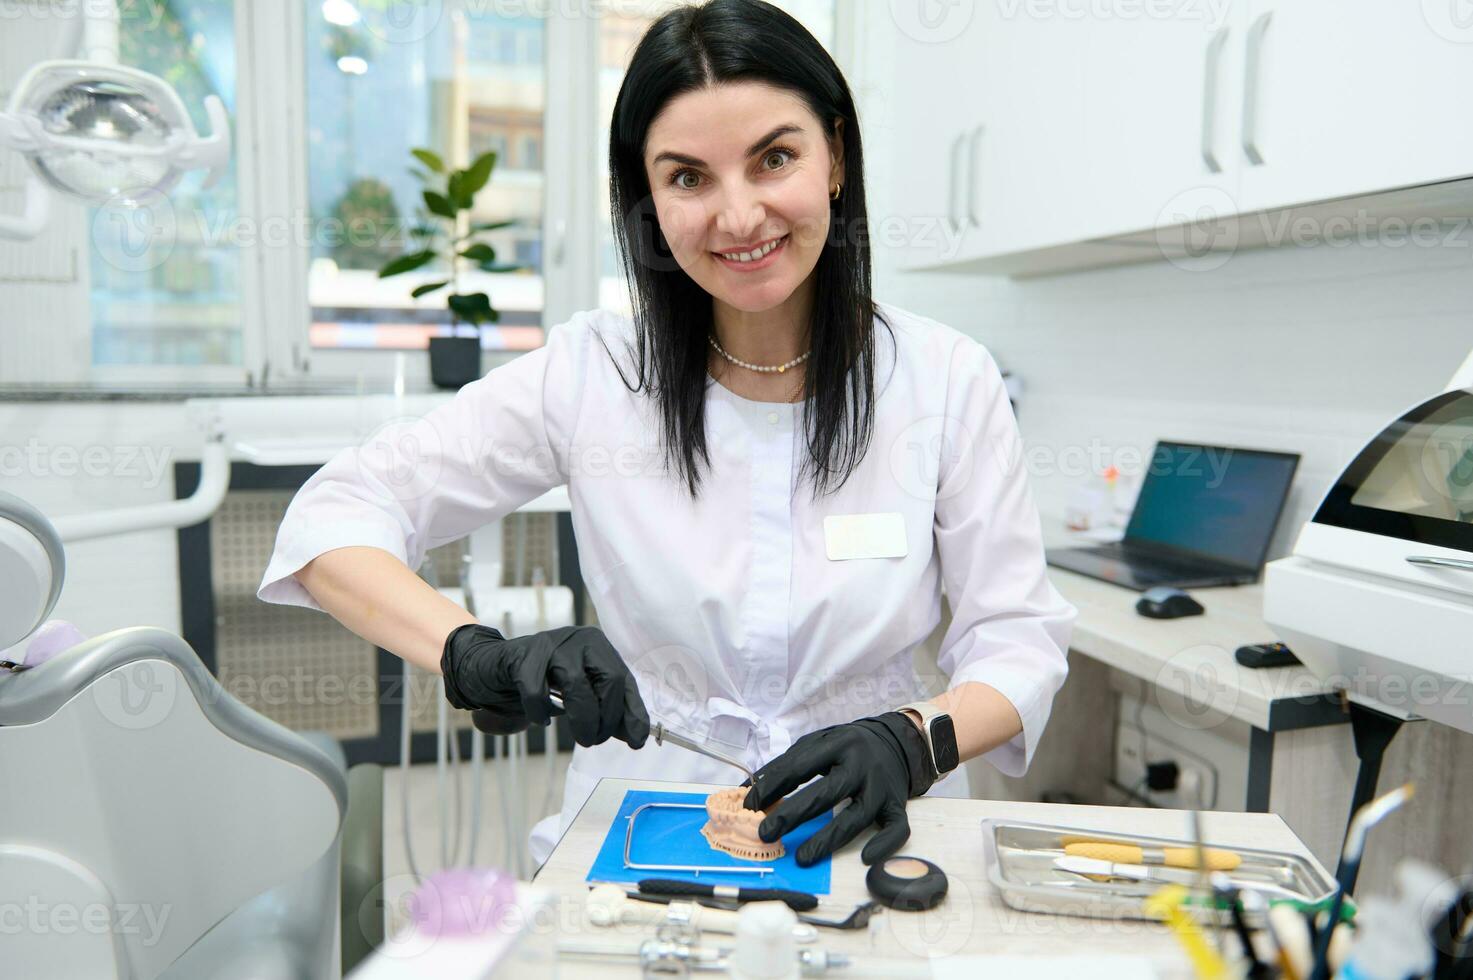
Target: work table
[1296, 733]
[973, 920]
[1192, 656]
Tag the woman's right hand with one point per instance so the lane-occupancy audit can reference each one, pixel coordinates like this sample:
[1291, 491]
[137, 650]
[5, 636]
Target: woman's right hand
[506, 682]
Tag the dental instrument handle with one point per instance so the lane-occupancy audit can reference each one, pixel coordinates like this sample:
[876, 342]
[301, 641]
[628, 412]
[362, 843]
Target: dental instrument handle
[795, 900]
[660, 734]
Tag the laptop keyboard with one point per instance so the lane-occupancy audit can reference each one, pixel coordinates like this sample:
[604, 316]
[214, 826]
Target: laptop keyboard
[1153, 566]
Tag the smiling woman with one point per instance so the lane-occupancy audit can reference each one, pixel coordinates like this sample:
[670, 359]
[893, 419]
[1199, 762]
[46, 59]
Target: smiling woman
[780, 627]
[738, 207]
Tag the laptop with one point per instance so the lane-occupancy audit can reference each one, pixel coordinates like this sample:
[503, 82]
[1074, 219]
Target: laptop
[1204, 517]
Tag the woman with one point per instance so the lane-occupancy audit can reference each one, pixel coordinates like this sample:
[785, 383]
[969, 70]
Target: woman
[763, 568]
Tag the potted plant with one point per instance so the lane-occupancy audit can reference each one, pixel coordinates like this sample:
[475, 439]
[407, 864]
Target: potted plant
[447, 195]
[368, 202]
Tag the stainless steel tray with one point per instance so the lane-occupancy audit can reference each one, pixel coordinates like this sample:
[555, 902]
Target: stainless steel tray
[1020, 864]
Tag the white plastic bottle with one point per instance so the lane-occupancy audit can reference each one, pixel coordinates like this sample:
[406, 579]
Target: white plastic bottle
[1392, 941]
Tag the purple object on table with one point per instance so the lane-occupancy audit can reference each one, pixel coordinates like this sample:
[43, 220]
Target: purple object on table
[462, 901]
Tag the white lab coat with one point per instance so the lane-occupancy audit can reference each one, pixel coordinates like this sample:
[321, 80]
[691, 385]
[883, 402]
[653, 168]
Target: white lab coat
[738, 627]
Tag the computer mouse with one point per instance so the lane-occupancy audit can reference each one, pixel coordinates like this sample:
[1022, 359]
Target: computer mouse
[1164, 602]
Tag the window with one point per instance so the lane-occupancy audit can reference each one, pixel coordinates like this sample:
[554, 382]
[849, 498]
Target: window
[465, 83]
[165, 283]
[281, 256]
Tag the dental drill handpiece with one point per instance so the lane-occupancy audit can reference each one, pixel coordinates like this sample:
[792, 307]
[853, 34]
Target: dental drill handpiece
[662, 734]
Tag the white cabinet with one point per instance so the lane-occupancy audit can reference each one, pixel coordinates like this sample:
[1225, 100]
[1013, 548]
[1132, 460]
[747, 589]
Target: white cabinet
[1352, 97]
[1025, 178]
[938, 95]
[1161, 118]
[1041, 143]
[980, 169]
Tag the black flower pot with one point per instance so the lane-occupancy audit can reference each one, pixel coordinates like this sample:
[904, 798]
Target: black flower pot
[454, 361]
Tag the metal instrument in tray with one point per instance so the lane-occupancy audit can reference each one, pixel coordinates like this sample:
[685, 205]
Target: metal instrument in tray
[1023, 864]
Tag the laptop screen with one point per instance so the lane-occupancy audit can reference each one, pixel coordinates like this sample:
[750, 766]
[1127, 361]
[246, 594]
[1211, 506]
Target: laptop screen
[1212, 500]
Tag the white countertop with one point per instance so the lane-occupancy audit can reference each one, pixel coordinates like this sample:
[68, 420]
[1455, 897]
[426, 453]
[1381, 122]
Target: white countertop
[1193, 655]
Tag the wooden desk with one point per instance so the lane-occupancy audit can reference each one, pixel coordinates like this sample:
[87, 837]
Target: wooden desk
[1190, 661]
[973, 920]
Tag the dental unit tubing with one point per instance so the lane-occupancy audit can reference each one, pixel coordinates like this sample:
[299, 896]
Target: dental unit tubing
[214, 481]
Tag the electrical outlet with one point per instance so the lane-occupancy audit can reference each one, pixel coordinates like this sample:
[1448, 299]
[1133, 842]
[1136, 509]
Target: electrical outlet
[1196, 784]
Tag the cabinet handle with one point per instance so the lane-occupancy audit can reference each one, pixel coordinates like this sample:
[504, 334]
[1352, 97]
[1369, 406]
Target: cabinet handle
[1251, 69]
[1209, 100]
[951, 212]
[972, 176]
[1458, 563]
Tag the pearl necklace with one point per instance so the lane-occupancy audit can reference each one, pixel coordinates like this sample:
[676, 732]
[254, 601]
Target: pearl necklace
[780, 368]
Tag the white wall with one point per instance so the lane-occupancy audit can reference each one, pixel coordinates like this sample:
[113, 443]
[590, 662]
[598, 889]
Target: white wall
[1308, 349]
[69, 458]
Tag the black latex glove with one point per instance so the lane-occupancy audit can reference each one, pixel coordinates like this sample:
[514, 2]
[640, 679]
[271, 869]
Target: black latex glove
[876, 763]
[505, 682]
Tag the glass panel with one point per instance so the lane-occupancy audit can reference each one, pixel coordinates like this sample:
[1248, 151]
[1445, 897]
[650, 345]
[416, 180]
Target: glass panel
[385, 77]
[165, 282]
[1428, 469]
[621, 27]
[1414, 481]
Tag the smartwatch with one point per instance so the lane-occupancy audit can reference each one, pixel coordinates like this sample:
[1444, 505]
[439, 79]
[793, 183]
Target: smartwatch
[940, 736]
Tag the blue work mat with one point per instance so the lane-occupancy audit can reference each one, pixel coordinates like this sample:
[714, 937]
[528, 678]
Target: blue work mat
[674, 837]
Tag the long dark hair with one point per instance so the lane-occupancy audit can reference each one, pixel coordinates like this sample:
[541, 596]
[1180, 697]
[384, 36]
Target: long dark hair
[690, 48]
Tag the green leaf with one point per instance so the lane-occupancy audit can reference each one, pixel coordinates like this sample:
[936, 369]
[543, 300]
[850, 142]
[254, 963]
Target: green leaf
[428, 287]
[479, 172]
[480, 252]
[430, 159]
[499, 267]
[439, 204]
[419, 175]
[457, 189]
[423, 231]
[474, 307]
[490, 225]
[406, 263]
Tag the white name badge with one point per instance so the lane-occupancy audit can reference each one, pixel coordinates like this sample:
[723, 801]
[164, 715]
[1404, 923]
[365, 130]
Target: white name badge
[847, 536]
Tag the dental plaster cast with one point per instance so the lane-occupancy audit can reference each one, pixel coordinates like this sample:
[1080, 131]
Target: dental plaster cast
[732, 828]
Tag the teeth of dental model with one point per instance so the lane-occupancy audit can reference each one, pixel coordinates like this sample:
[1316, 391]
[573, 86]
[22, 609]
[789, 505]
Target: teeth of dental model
[732, 828]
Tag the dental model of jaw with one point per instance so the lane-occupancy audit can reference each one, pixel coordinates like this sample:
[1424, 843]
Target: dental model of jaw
[732, 828]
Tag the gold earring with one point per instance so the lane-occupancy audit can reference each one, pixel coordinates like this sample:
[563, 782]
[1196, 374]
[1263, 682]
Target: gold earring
[835, 195]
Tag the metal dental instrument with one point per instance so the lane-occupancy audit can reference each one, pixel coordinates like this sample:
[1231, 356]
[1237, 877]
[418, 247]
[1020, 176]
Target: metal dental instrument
[695, 869]
[661, 734]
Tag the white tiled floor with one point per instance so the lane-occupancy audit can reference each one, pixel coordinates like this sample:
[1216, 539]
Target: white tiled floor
[532, 796]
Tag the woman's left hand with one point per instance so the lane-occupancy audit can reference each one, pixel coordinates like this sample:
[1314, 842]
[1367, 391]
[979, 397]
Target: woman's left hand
[876, 763]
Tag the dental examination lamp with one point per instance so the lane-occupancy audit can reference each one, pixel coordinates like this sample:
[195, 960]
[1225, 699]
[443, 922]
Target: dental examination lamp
[102, 132]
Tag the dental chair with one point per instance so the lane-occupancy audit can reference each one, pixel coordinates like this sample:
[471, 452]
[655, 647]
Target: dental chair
[151, 825]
